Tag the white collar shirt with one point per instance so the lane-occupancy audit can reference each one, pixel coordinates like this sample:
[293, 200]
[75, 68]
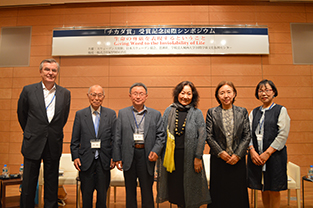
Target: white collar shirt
[50, 97]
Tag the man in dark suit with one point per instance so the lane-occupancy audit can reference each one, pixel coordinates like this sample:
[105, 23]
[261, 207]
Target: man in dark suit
[43, 110]
[138, 141]
[91, 147]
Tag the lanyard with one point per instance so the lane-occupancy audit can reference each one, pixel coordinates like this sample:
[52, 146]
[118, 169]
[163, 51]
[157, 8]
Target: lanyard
[137, 125]
[51, 101]
[261, 123]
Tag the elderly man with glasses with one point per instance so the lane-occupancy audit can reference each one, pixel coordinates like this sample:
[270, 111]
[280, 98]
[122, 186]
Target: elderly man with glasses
[138, 142]
[91, 147]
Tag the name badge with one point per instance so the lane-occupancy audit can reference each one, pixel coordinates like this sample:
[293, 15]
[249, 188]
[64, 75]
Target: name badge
[95, 144]
[259, 137]
[138, 137]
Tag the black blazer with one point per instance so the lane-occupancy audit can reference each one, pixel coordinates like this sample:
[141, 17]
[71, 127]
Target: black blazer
[33, 119]
[83, 132]
[217, 136]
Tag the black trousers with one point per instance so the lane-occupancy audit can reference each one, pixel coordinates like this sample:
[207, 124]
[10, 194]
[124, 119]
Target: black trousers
[139, 170]
[30, 179]
[95, 178]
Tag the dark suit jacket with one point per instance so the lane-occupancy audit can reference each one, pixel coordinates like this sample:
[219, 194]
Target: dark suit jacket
[33, 119]
[83, 132]
[216, 134]
[154, 136]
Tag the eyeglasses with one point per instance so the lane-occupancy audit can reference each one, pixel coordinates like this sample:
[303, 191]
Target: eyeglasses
[94, 95]
[141, 94]
[267, 91]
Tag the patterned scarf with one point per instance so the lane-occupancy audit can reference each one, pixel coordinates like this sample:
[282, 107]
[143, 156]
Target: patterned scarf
[169, 162]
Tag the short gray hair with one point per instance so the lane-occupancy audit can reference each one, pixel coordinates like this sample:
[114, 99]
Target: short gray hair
[94, 86]
[138, 84]
[48, 61]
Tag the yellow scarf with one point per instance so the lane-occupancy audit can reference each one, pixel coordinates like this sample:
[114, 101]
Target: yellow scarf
[169, 162]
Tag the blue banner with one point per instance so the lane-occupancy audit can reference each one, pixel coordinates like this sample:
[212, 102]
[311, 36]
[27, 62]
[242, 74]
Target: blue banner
[161, 31]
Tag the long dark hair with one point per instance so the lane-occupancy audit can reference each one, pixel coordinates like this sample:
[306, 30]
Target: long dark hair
[180, 87]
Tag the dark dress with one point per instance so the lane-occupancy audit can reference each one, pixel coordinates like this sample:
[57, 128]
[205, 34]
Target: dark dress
[275, 176]
[176, 178]
[228, 184]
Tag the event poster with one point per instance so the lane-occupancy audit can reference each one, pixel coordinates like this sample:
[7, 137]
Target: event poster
[160, 41]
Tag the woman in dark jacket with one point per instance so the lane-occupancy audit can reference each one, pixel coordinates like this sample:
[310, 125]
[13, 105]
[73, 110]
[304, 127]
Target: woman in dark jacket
[228, 137]
[267, 162]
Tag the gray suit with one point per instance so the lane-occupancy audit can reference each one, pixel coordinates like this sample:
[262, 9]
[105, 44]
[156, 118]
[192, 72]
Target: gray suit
[124, 150]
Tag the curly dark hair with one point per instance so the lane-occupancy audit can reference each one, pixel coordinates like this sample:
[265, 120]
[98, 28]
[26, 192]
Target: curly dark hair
[180, 87]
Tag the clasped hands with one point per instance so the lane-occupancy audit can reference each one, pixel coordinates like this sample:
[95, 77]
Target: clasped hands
[232, 160]
[259, 159]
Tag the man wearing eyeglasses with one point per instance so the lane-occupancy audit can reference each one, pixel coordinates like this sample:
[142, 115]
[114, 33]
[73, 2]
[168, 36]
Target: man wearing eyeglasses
[91, 147]
[42, 111]
[138, 142]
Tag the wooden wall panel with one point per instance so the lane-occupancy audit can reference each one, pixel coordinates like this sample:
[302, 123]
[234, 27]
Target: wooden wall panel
[309, 17]
[4, 158]
[292, 70]
[48, 19]
[4, 127]
[16, 137]
[23, 72]
[236, 70]
[4, 136]
[4, 147]
[86, 19]
[162, 73]
[8, 21]
[281, 17]
[296, 92]
[280, 38]
[73, 82]
[83, 71]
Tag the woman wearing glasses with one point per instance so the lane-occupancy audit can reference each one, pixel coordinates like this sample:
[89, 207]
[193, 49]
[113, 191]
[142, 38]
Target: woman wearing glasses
[267, 161]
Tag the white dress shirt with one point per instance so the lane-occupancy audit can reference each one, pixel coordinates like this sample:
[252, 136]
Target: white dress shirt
[50, 98]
